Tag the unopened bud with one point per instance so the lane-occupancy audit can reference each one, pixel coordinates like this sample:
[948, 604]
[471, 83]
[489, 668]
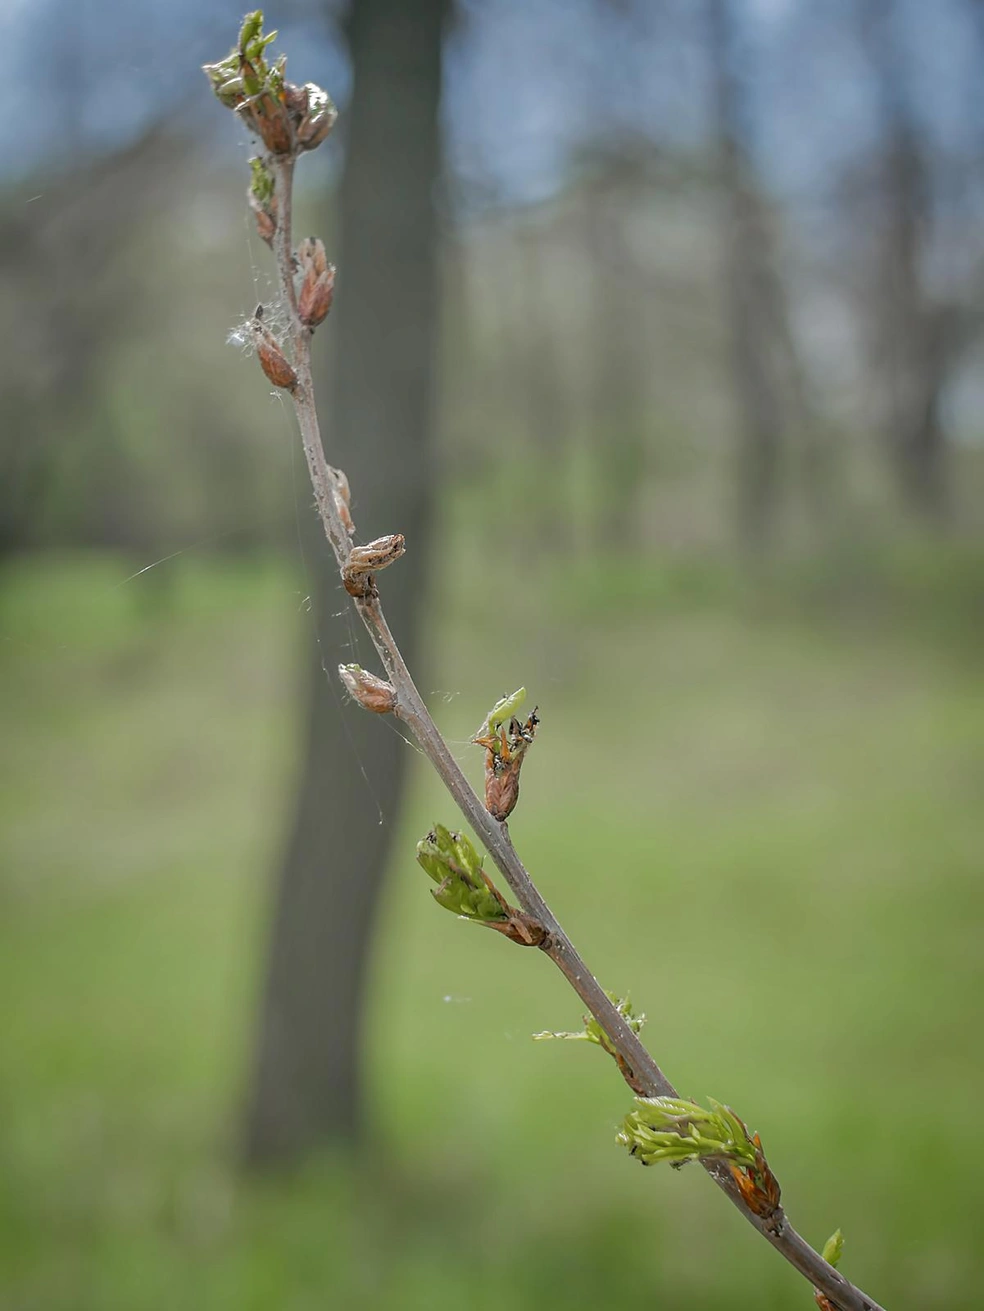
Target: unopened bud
[265, 225]
[319, 119]
[317, 293]
[833, 1248]
[342, 497]
[273, 361]
[372, 693]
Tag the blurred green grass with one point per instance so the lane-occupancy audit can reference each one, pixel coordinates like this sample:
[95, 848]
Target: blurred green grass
[758, 812]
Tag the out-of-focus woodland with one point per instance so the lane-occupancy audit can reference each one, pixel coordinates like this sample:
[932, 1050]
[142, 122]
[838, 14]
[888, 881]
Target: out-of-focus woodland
[659, 332]
[743, 307]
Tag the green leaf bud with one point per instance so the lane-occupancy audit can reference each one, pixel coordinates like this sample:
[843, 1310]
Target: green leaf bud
[833, 1248]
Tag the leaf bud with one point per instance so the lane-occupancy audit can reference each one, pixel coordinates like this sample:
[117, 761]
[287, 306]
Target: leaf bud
[833, 1248]
[372, 693]
[319, 118]
[317, 294]
[342, 497]
[273, 361]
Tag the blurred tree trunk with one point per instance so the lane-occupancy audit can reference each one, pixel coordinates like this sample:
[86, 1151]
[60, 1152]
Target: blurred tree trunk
[617, 367]
[913, 338]
[747, 262]
[377, 426]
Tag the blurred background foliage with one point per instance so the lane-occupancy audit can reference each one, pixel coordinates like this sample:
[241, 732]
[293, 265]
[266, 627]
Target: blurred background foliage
[704, 472]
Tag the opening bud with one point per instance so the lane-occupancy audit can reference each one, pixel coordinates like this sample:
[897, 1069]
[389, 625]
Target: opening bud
[372, 693]
[506, 740]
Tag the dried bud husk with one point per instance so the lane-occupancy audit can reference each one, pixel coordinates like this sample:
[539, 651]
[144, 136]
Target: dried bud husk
[364, 561]
[372, 693]
[376, 555]
[273, 361]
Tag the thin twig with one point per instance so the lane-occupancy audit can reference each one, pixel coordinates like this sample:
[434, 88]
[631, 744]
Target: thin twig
[638, 1066]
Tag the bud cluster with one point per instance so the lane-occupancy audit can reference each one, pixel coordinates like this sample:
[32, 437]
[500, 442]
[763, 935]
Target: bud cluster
[506, 740]
[287, 118]
[672, 1129]
[454, 865]
[464, 888]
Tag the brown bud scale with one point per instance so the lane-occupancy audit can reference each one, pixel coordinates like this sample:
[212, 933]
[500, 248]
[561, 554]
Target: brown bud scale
[375, 555]
[317, 294]
[372, 693]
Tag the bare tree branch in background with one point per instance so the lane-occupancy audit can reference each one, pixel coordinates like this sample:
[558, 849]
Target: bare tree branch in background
[65, 295]
[913, 336]
[747, 258]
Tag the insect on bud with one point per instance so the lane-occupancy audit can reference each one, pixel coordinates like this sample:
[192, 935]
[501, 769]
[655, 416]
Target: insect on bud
[273, 361]
[372, 693]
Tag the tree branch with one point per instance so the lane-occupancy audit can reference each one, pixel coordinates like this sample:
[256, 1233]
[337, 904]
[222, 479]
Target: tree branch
[283, 137]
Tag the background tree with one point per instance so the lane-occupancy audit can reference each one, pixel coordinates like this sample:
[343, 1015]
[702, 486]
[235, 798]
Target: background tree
[307, 1077]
